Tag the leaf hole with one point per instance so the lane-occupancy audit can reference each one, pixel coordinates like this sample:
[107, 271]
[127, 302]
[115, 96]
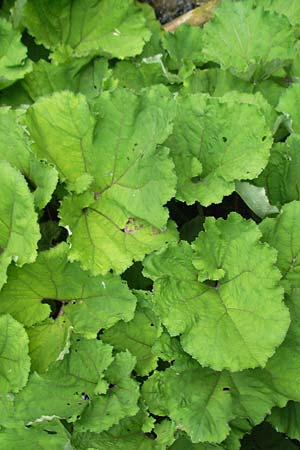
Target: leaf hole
[226, 389]
[264, 138]
[224, 139]
[196, 179]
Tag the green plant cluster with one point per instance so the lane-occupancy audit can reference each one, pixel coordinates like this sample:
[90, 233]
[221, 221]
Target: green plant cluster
[149, 227]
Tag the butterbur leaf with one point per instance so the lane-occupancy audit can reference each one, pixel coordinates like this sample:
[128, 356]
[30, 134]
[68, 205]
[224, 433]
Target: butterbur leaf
[47, 341]
[286, 420]
[281, 177]
[255, 198]
[110, 153]
[19, 231]
[244, 32]
[120, 401]
[14, 359]
[208, 152]
[13, 55]
[63, 125]
[80, 75]
[90, 303]
[16, 149]
[195, 400]
[282, 234]
[138, 335]
[279, 6]
[94, 27]
[288, 353]
[40, 437]
[74, 380]
[288, 104]
[210, 301]
[203, 402]
[130, 433]
[184, 48]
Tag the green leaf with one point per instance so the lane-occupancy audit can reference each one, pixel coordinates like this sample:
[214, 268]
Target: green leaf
[46, 342]
[288, 105]
[129, 434]
[203, 402]
[103, 241]
[281, 177]
[138, 335]
[208, 152]
[80, 75]
[288, 355]
[212, 305]
[282, 234]
[19, 231]
[13, 55]
[41, 177]
[14, 359]
[47, 436]
[90, 303]
[93, 27]
[245, 35]
[279, 6]
[255, 198]
[184, 48]
[120, 401]
[196, 401]
[287, 419]
[74, 379]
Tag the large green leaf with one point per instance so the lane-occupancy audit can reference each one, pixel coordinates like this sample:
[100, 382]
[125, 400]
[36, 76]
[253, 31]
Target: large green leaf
[87, 27]
[90, 303]
[212, 304]
[287, 419]
[288, 355]
[74, 379]
[138, 335]
[130, 433]
[288, 104]
[13, 55]
[282, 234]
[281, 177]
[14, 359]
[245, 32]
[120, 400]
[15, 148]
[38, 437]
[292, 12]
[47, 341]
[19, 231]
[208, 152]
[203, 402]
[80, 75]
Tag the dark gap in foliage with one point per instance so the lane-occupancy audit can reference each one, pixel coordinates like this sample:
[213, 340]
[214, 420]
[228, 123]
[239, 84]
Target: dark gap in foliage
[32, 186]
[230, 203]
[35, 51]
[68, 426]
[135, 278]
[163, 365]
[139, 378]
[264, 437]
[51, 233]
[182, 213]
[56, 307]
[99, 334]
[50, 431]
[211, 283]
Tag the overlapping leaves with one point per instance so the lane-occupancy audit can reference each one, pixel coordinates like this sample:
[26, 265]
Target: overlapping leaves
[96, 152]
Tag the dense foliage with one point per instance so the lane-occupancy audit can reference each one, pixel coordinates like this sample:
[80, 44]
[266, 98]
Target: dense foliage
[149, 227]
